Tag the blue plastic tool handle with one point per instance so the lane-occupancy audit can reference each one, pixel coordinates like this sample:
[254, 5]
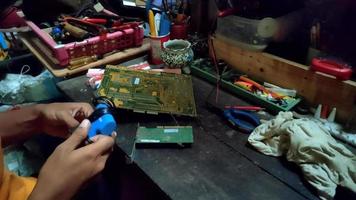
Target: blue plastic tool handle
[3, 43]
[245, 121]
[165, 25]
[104, 125]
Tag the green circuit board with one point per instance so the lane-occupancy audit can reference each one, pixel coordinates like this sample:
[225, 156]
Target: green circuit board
[149, 92]
[165, 134]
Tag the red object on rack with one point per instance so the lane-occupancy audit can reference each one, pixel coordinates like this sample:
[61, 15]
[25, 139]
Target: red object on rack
[340, 70]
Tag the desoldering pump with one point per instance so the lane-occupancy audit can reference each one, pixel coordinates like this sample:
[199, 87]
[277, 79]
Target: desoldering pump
[102, 119]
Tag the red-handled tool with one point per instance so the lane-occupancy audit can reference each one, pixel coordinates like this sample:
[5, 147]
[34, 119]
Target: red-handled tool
[248, 108]
[95, 20]
[340, 70]
[260, 87]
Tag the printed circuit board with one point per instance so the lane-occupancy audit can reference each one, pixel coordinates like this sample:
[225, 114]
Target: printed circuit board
[149, 92]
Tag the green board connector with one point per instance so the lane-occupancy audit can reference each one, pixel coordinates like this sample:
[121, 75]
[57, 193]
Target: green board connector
[181, 135]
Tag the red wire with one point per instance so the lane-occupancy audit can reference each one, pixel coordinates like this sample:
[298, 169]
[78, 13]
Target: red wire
[216, 68]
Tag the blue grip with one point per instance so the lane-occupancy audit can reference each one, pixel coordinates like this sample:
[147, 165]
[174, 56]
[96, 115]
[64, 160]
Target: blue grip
[243, 120]
[103, 125]
[165, 25]
[3, 43]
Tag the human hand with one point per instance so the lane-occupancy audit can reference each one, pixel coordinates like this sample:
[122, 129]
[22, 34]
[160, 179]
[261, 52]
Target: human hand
[71, 165]
[57, 119]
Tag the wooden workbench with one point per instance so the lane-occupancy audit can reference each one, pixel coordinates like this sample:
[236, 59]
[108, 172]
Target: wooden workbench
[219, 165]
[39, 50]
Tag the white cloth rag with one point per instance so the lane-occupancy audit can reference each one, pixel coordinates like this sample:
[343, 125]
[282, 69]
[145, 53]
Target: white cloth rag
[325, 162]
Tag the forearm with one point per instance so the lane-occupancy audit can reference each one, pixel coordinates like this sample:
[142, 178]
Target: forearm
[17, 125]
[45, 193]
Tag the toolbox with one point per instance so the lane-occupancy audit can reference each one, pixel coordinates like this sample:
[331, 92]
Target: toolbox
[89, 49]
[200, 69]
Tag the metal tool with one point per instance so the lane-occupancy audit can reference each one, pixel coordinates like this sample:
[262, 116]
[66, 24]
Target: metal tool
[75, 31]
[243, 120]
[94, 29]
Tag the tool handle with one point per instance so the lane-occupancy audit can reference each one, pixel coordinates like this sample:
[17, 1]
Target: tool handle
[151, 21]
[260, 87]
[254, 83]
[75, 31]
[95, 20]
[242, 120]
[249, 108]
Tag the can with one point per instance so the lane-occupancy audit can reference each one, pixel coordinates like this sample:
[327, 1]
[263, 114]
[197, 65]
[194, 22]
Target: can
[156, 48]
[179, 31]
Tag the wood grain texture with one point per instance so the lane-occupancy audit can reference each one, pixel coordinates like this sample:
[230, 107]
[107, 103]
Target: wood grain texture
[219, 165]
[315, 87]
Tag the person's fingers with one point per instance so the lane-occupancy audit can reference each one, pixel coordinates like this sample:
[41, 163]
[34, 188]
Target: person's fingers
[96, 137]
[114, 134]
[79, 135]
[101, 144]
[61, 131]
[80, 115]
[68, 119]
[101, 161]
[77, 111]
[87, 109]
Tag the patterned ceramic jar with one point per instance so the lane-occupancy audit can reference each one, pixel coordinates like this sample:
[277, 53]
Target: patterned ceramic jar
[177, 53]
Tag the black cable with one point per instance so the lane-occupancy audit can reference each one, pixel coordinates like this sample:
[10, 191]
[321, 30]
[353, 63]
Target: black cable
[102, 111]
[98, 113]
[105, 100]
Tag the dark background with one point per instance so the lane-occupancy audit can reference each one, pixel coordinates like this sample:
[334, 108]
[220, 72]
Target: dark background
[337, 19]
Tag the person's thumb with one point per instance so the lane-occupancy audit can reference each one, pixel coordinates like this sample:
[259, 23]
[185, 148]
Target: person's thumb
[101, 144]
[79, 135]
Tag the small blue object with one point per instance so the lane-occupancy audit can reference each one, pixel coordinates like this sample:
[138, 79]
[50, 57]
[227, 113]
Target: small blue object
[165, 25]
[153, 5]
[146, 29]
[102, 121]
[3, 43]
[243, 120]
[56, 32]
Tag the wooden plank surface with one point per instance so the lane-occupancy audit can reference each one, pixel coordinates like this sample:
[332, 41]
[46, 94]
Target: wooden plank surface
[316, 88]
[36, 47]
[215, 167]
